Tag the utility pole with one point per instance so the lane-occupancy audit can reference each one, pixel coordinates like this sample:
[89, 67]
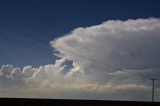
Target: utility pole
[153, 79]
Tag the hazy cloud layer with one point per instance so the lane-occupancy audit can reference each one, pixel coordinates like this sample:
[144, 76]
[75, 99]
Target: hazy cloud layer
[113, 60]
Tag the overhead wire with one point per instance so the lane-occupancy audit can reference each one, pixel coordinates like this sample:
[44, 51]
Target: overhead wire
[18, 42]
[22, 34]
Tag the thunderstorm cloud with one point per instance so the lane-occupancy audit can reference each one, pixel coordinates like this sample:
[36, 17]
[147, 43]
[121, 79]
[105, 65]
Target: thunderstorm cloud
[113, 60]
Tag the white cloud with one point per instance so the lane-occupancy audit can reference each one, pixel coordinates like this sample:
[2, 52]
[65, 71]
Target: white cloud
[110, 60]
[131, 44]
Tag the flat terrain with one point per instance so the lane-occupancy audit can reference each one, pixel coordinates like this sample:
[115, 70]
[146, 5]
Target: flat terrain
[63, 102]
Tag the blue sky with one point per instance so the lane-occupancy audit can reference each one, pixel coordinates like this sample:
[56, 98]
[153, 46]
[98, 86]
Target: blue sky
[36, 22]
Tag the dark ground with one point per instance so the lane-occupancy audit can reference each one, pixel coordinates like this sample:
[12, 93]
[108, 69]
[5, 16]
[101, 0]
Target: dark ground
[62, 102]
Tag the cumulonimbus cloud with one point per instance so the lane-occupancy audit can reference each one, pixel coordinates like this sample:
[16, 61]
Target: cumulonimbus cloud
[110, 60]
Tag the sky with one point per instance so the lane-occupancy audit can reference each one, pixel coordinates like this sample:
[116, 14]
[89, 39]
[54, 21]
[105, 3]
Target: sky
[86, 49]
[36, 22]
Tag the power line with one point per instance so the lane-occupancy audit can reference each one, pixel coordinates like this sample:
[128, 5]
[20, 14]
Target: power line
[22, 41]
[18, 42]
[153, 79]
[17, 32]
[24, 34]
[84, 57]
